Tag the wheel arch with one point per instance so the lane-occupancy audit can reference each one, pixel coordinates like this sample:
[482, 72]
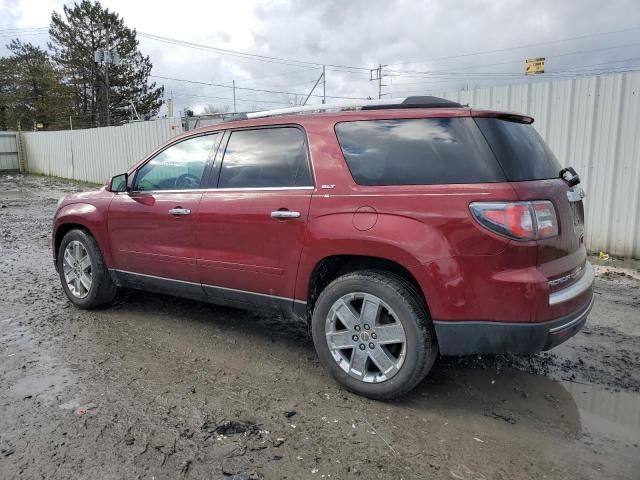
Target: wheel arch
[86, 217]
[64, 228]
[331, 267]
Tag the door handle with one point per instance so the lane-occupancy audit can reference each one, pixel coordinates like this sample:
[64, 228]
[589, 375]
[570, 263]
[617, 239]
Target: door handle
[285, 214]
[179, 211]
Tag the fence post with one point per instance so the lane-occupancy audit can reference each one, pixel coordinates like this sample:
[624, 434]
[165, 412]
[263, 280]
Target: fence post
[22, 156]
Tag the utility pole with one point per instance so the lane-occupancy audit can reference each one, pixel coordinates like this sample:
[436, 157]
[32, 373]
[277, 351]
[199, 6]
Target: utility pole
[170, 105]
[234, 96]
[107, 25]
[376, 74]
[133, 107]
[314, 87]
[324, 85]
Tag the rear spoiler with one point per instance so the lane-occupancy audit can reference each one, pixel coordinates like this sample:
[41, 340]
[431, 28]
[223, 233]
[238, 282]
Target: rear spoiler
[509, 117]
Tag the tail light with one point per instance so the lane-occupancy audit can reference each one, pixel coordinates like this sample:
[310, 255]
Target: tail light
[518, 220]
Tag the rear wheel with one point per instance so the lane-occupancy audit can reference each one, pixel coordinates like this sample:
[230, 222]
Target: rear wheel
[84, 276]
[372, 333]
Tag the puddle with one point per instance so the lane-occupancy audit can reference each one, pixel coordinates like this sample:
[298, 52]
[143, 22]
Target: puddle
[43, 386]
[11, 193]
[32, 372]
[615, 415]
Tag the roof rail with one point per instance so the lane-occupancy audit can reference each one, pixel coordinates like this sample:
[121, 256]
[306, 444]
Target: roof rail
[408, 102]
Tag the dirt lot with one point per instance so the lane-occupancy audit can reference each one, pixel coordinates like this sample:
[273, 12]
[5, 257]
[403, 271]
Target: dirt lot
[155, 387]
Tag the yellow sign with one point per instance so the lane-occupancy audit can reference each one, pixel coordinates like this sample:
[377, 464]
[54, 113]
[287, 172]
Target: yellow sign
[533, 66]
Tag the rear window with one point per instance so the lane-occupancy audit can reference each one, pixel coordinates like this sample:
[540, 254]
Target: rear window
[422, 151]
[521, 151]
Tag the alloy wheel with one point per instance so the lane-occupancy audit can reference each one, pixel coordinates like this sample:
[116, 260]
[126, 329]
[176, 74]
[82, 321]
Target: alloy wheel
[77, 269]
[365, 337]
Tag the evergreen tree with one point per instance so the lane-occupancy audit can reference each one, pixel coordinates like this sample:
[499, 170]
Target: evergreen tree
[30, 89]
[6, 88]
[75, 37]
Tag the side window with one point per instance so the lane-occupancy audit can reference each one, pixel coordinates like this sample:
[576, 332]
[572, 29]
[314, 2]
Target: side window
[179, 167]
[266, 157]
[422, 151]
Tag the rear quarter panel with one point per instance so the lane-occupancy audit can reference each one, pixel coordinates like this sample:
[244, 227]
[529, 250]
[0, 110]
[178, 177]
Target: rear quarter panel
[427, 229]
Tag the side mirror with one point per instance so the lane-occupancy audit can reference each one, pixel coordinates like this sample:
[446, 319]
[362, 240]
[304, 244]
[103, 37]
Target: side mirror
[118, 183]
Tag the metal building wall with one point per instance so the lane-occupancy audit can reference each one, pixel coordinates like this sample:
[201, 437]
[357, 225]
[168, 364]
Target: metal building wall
[592, 124]
[95, 154]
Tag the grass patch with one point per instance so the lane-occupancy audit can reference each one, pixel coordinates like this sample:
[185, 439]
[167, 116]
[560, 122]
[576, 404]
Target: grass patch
[80, 183]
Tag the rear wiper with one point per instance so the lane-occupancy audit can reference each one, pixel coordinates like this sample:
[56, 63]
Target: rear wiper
[570, 176]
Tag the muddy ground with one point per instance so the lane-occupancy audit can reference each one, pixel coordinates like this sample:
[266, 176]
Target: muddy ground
[155, 387]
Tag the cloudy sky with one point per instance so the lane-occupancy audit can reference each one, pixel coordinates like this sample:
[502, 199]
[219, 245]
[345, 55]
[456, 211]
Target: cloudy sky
[427, 46]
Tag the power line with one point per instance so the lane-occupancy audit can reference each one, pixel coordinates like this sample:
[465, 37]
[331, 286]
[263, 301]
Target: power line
[239, 100]
[532, 79]
[18, 35]
[604, 63]
[291, 84]
[248, 88]
[569, 73]
[237, 53]
[283, 74]
[246, 55]
[499, 50]
[25, 29]
[566, 54]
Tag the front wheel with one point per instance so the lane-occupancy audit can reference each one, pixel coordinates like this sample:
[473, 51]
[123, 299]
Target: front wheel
[373, 334]
[83, 273]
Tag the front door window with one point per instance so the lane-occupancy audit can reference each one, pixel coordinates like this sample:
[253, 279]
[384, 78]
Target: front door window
[179, 167]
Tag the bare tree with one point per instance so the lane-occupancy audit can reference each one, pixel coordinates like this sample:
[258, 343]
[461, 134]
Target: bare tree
[295, 99]
[212, 109]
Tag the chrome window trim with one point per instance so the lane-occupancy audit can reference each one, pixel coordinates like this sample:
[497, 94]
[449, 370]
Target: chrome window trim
[572, 291]
[244, 189]
[144, 192]
[126, 272]
[204, 190]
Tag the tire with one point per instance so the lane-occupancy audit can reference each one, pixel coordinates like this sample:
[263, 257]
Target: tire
[102, 290]
[407, 308]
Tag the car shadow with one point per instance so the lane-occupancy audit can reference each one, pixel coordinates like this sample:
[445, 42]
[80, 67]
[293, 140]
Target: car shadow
[477, 386]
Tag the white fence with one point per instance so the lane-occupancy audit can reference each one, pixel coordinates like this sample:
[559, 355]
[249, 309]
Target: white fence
[9, 159]
[95, 154]
[592, 124]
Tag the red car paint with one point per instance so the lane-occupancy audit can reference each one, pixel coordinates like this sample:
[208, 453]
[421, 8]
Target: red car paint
[466, 272]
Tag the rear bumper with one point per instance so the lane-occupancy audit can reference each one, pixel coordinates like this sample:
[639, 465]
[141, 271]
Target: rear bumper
[582, 285]
[465, 338]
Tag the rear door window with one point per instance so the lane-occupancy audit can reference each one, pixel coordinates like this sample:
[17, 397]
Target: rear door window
[266, 157]
[424, 151]
[519, 149]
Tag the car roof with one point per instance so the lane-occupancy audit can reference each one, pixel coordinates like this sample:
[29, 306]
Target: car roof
[336, 117]
[409, 107]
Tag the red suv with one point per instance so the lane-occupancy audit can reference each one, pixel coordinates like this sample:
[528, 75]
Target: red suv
[396, 231]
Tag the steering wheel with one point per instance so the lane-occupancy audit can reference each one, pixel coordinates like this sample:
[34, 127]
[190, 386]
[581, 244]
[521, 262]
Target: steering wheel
[187, 180]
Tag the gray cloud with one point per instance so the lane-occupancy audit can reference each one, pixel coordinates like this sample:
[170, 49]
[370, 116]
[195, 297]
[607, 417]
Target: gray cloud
[364, 34]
